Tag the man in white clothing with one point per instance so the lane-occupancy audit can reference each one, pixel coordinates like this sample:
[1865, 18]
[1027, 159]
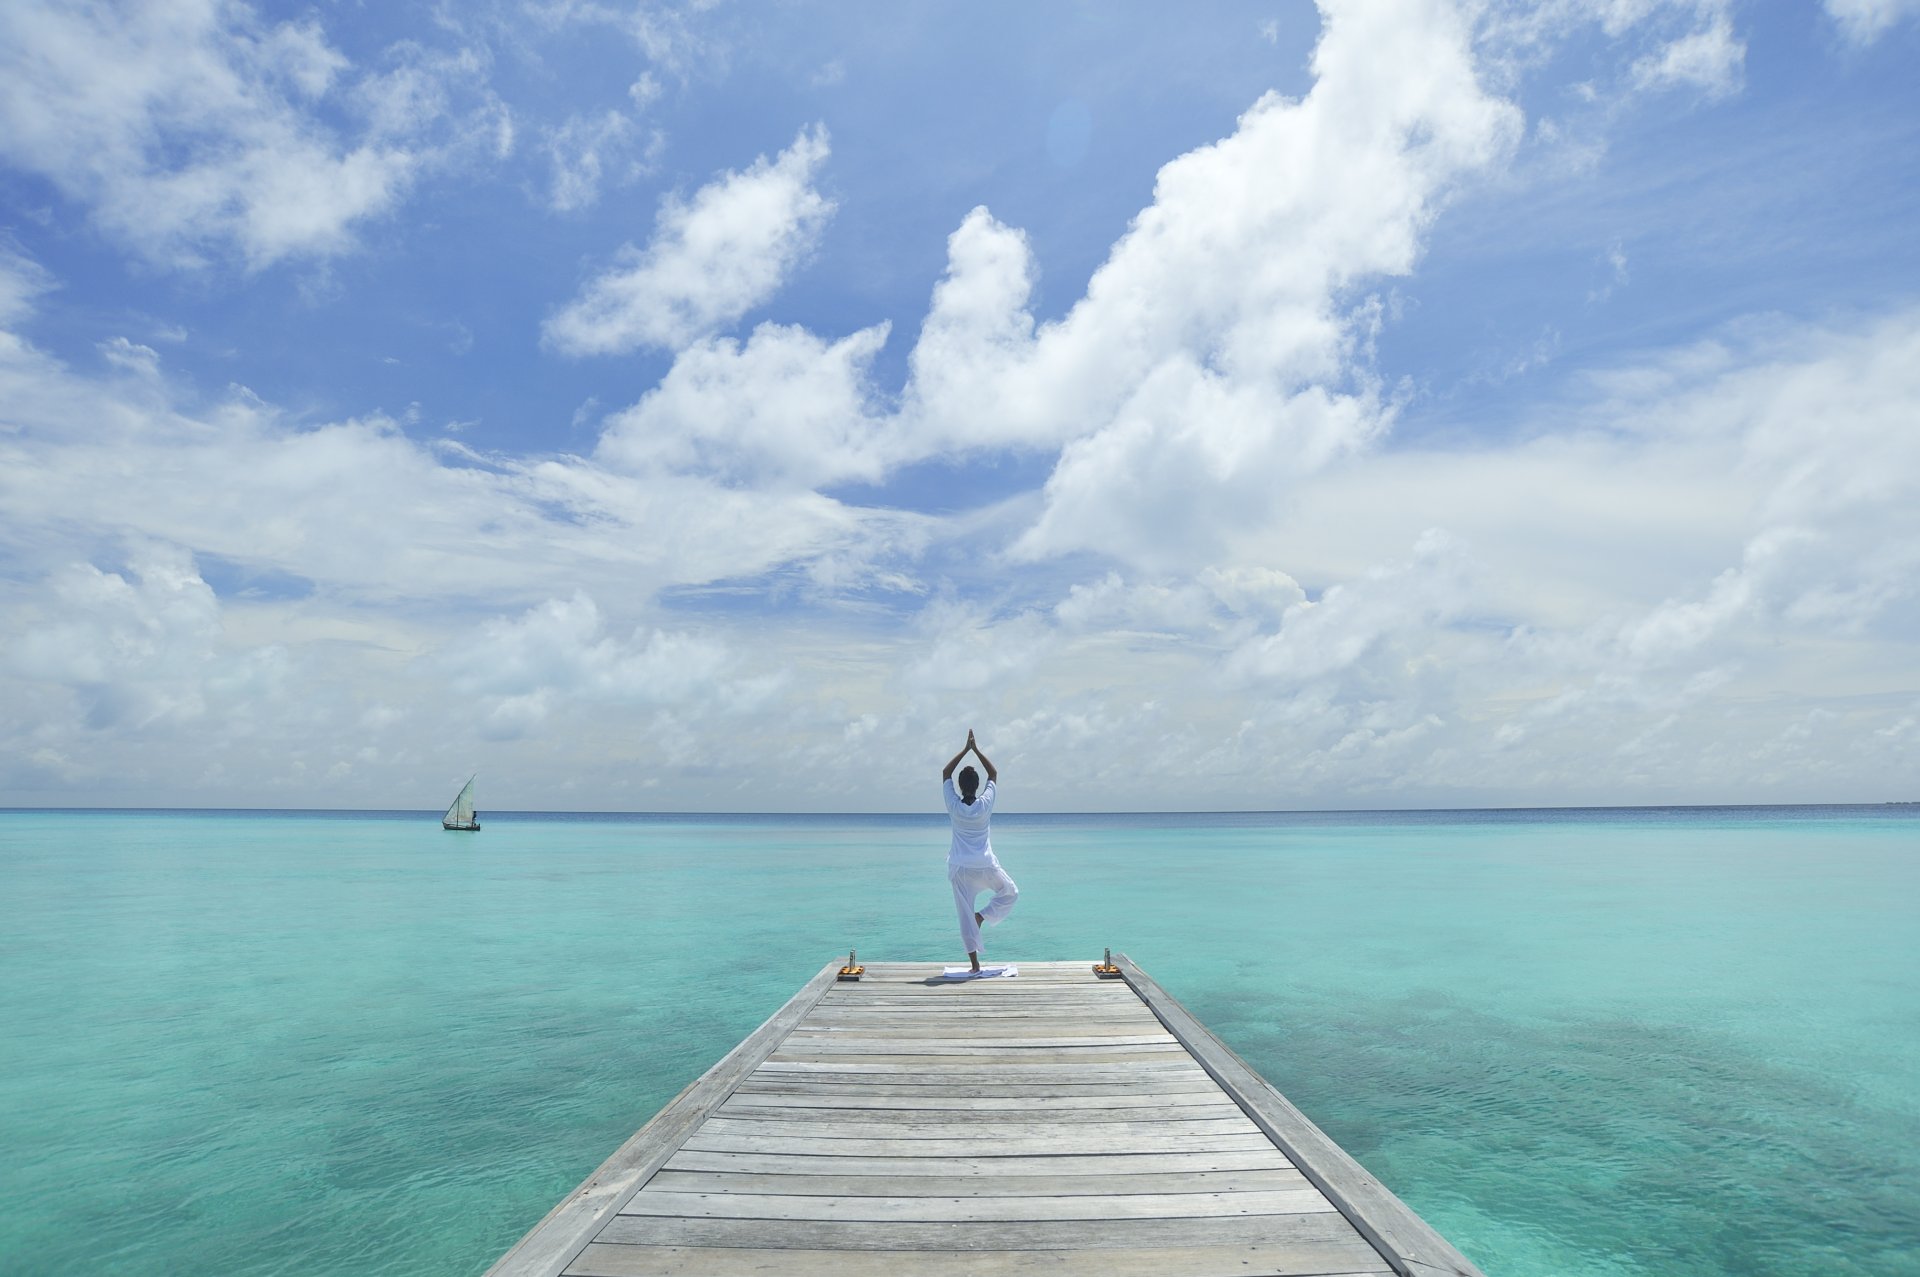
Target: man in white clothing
[971, 866]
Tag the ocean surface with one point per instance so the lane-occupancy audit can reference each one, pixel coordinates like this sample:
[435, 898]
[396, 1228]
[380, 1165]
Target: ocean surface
[1580, 1043]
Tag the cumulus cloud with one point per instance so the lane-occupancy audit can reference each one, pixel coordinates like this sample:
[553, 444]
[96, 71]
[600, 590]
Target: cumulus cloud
[138, 648]
[1219, 353]
[1319, 639]
[786, 408]
[712, 258]
[1221, 345]
[517, 670]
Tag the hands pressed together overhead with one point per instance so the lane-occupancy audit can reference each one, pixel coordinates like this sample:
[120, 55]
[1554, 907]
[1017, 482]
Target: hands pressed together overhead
[973, 745]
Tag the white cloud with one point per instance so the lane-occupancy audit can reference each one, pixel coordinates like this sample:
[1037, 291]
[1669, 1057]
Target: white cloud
[784, 409]
[646, 90]
[22, 282]
[184, 127]
[971, 385]
[1658, 594]
[1323, 639]
[585, 151]
[713, 258]
[1220, 351]
[969, 651]
[364, 508]
[1617, 274]
[131, 356]
[560, 650]
[665, 33]
[137, 650]
[1709, 59]
[1864, 21]
[1221, 345]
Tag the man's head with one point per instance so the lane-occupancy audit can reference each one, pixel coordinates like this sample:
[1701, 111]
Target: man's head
[969, 784]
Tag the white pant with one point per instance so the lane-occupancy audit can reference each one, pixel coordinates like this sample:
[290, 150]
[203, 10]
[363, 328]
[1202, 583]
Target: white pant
[968, 882]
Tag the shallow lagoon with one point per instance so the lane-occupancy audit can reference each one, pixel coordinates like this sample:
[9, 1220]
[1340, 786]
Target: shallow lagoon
[1599, 1042]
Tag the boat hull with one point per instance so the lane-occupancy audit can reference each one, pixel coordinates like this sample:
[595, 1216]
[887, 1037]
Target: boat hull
[473, 828]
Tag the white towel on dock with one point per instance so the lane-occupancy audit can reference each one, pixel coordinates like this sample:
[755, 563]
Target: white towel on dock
[984, 973]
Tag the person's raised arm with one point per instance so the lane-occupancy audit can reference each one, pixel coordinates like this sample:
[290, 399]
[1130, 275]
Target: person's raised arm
[955, 760]
[992, 774]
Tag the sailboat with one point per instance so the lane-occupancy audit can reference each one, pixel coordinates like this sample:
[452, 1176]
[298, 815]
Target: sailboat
[462, 815]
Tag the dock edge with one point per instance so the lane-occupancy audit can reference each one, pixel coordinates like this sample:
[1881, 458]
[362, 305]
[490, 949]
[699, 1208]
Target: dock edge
[1403, 1239]
[556, 1240]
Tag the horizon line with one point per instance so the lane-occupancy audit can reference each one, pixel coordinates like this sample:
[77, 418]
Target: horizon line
[1193, 811]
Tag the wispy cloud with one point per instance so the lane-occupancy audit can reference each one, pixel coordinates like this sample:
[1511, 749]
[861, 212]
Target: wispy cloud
[1864, 21]
[188, 130]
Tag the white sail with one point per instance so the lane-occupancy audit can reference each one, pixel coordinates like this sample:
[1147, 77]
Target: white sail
[460, 815]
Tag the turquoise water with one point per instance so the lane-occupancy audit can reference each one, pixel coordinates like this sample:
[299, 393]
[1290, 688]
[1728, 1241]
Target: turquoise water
[1580, 1043]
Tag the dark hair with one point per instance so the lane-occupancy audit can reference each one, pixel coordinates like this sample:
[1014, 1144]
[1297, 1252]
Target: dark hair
[969, 782]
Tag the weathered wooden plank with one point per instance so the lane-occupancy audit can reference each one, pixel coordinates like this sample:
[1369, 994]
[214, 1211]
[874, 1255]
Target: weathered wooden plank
[1091, 1024]
[1128, 1234]
[941, 1003]
[1254, 1259]
[1029, 970]
[980, 989]
[974, 999]
[1047, 1024]
[935, 1012]
[868, 992]
[1407, 1242]
[880, 973]
[1092, 991]
[889, 967]
[1013, 1048]
[945, 1028]
[1173, 1074]
[1104, 1185]
[1156, 1065]
[918, 1003]
[1199, 1089]
[791, 1054]
[1134, 1011]
[571, 1225]
[836, 1107]
[1257, 1158]
[974, 1083]
[984, 1123]
[991, 986]
[945, 1210]
[930, 1073]
[857, 1127]
[1001, 1146]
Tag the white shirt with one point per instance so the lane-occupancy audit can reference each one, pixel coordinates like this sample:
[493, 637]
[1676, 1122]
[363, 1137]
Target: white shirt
[971, 845]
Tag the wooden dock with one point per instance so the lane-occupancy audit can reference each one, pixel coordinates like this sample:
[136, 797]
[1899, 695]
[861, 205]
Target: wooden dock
[1047, 1123]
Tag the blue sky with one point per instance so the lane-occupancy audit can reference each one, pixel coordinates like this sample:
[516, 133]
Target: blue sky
[715, 406]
